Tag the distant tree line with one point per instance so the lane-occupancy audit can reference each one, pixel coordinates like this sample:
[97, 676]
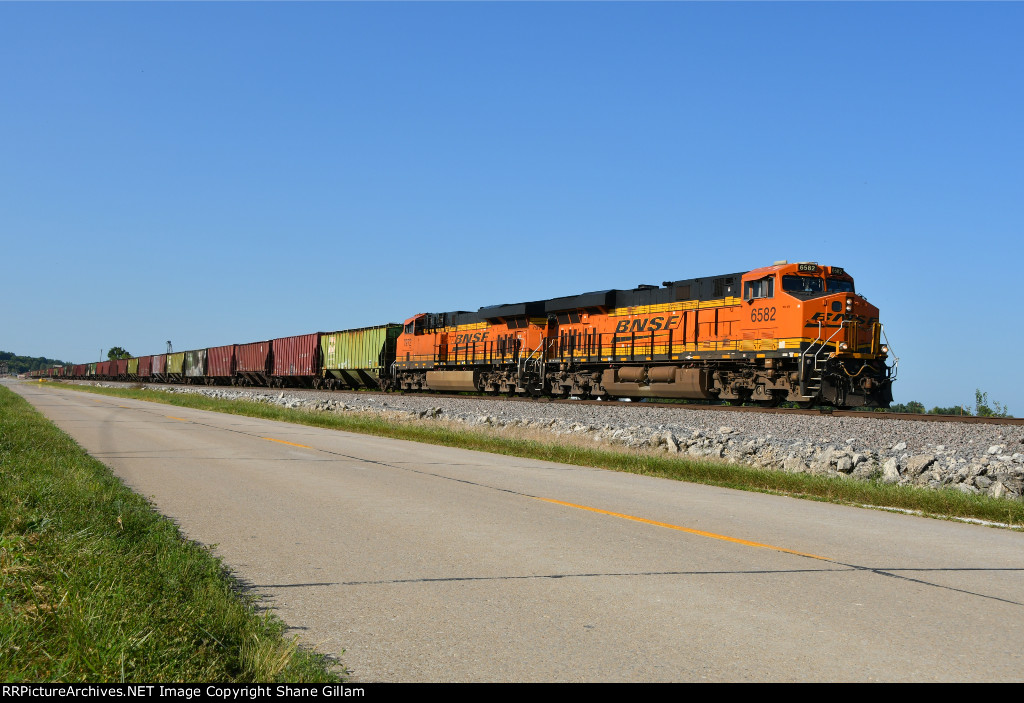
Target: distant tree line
[21, 364]
[982, 408]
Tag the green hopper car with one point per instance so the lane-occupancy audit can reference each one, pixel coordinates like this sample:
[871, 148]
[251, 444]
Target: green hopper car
[357, 358]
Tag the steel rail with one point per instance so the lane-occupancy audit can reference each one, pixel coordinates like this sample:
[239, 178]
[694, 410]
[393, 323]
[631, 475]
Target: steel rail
[650, 404]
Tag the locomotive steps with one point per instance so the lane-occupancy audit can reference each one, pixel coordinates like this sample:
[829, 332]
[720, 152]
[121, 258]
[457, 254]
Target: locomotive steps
[946, 468]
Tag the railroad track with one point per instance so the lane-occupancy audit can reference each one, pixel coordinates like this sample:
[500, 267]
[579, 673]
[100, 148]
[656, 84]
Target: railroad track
[828, 412]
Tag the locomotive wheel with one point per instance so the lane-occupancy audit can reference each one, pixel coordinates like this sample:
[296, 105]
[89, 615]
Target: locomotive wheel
[776, 401]
[744, 397]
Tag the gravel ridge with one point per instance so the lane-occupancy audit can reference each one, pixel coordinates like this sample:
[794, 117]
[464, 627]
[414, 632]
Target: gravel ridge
[974, 458]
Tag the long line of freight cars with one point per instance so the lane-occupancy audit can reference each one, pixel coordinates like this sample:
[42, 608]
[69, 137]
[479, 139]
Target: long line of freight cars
[356, 358]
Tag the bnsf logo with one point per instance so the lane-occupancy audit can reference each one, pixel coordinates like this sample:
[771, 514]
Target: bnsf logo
[836, 317]
[648, 324]
[470, 338]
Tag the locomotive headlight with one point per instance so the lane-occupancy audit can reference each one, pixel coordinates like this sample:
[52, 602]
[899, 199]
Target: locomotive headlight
[885, 348]
[843, 346]
[849, 304]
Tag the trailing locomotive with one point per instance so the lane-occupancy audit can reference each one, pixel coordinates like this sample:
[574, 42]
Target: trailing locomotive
[787, 332]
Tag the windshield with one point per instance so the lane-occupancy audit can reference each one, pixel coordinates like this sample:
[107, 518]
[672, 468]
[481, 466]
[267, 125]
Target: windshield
[839, 285]
[802, 284]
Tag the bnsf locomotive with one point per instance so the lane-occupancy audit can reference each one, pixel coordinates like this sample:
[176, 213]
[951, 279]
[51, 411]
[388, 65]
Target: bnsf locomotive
[788, 332]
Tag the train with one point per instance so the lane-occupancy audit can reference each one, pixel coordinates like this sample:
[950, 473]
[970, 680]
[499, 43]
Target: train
[790, 332]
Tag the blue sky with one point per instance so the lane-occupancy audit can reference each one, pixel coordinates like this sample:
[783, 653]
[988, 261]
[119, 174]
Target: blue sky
[213, 173]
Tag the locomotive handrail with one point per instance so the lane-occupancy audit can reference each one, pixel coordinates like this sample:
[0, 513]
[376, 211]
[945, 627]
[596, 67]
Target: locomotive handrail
[895, 359]
[821, 347]
[535, 356]
[803, 355]
[824, 344]
[534, 352]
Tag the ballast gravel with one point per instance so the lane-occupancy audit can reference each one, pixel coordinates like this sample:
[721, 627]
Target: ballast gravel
[974, 458]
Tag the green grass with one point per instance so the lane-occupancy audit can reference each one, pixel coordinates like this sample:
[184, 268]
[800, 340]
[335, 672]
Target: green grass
[938, 503]
[97, 587]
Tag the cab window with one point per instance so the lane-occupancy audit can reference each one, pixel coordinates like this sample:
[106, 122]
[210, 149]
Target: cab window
[838, 285]
[762, 288]
[802, 284]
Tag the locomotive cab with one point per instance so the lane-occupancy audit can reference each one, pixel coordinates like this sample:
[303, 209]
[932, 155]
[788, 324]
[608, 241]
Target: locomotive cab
[834, 333]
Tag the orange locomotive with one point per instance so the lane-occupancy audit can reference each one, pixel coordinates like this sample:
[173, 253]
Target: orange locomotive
[788, 332]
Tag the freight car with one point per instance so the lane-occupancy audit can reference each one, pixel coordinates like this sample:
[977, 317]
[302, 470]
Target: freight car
[788, 332]
[358, 358]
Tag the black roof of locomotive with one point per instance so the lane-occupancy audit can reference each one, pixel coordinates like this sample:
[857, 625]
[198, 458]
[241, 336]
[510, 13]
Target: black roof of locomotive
[707, 288]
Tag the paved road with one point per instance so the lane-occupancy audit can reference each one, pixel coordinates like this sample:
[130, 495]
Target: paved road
[426, 563]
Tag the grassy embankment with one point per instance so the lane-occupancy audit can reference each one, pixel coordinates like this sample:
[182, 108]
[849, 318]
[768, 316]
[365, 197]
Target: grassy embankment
[97, 587]
[568, 450]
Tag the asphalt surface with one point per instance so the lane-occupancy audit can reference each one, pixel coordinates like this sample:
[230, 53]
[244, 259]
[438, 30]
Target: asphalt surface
[414, 562]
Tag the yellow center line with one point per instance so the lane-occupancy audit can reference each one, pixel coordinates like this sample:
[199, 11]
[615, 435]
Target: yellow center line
[125, 406]
[176, 418]
[690, 530]
[281, 441]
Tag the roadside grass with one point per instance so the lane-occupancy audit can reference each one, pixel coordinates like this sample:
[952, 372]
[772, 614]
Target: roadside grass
[532, 444]
[95, 586]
